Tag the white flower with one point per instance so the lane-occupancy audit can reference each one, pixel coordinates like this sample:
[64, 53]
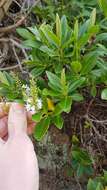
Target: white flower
[39, 104]
[27, 89]
[32, 108]
[28, 107]
[33, 111]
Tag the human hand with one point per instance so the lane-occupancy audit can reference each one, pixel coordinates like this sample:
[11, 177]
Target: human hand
[18, 162]
[4, 111]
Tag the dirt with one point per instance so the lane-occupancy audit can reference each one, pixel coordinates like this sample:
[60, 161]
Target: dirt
[54, 151]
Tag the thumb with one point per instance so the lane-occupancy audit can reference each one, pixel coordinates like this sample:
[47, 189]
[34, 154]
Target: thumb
[17, 121]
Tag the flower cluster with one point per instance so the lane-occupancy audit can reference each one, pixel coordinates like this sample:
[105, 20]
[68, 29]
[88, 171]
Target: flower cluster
[30, 96]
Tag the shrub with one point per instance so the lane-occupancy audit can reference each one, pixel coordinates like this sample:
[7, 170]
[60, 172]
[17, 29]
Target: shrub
[62, 60]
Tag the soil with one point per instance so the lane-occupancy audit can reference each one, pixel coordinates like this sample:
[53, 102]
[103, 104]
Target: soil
[54, 152]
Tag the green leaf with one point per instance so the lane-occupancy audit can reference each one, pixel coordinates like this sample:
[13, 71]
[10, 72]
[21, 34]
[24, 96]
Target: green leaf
[101, 37]
[58, 27]
[77, 97]
[63, 78]
[93, 30]
[54, 80]
[37, 117]
[58, 121]
[50, 36]
[52, 93]
[87, 36]
[37, 71]
[3, 78]
[64, 29]
[76, 66]
[93, 91]
[89, 63]
[105, 176]
[65, 104]
[47, 50]
[25, 33]
[91, 185]
[58, 110]
[99, 186]
[83, 40]
[76, 30]
[104, 94]
[41, 128]
[93, 18]
[10, 79]
[80, 170]
[35, 31]
[32, 44]
[81, 156]
[83, 28]
[75, 139]
[103, 6]
[76, 84]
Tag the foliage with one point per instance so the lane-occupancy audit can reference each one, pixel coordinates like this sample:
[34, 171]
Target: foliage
[67, 52]
[99, 183]
[46, 11]
[63, 60]
[82, 163]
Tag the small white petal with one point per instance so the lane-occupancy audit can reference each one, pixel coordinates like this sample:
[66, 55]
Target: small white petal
[39, 103]
[28, 107]
[33, 110]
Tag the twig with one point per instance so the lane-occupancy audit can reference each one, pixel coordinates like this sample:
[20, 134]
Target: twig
[15, 44]
[30, 9]
[17, 58]
[12, 27]
[17, 3]
[19, 46]
[89, 106]
[9, 68]
[96, 131]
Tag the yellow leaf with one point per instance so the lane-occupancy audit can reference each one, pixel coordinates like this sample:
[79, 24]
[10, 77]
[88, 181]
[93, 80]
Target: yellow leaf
[50, 103]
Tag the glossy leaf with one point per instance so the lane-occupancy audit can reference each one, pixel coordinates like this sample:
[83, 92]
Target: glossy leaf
[77, 97]
[64, 29]
[76, 30]
[37, 117]
[41, 128]
[58, 27]
[58, 121]
[54, 80]
[25, 33]
[76, 84]
[104, 94]
[51, 37]
[37, 71]
[52, 93]
[65, 104]
[93, 18]
[103, 6]
[88, 64]
[3, 78]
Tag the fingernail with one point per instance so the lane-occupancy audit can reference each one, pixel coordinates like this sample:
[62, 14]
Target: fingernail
[18, 108]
